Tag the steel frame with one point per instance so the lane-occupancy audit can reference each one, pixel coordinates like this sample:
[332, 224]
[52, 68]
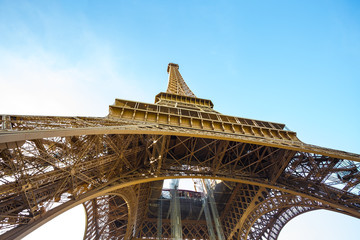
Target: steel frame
[51, 164]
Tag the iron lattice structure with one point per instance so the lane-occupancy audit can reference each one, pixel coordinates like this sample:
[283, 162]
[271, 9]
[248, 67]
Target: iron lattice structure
[115, 167]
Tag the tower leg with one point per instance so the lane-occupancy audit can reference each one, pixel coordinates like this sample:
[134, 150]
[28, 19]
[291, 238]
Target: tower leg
[210, 196]
[176, 228]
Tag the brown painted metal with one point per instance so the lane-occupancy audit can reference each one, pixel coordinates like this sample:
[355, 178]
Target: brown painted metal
[115, 166]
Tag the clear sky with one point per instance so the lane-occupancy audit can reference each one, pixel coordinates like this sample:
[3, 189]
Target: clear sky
[294, 62]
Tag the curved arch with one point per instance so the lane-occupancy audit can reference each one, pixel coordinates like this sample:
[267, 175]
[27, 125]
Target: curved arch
[92, 159]
[22, 231]
[158, 129]
[320, 224]
[281, 219]
[287, 214]
[270, 224]
[269, 216]
[107, 217]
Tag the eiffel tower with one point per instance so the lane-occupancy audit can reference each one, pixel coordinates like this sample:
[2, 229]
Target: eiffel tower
[251, 176]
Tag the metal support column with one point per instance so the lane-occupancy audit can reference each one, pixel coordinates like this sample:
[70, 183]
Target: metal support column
[159, 220]
[210, 195]
[176, 227]
[208, 218]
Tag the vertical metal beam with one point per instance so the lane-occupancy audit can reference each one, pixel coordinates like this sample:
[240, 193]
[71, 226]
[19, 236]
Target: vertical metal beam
[205, 208]
[208, 218]
[210, 195]
[159, 220]
[176, 228]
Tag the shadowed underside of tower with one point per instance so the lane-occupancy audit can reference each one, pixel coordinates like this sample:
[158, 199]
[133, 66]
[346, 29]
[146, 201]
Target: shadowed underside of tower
[251, 177]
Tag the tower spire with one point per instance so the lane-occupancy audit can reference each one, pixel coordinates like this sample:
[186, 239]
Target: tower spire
[176, 83]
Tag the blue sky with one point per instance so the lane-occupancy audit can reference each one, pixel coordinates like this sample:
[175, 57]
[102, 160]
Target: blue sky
[294, 62]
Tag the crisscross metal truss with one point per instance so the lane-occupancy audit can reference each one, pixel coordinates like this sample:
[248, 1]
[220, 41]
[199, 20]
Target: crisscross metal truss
[45, 176]
[191, 230]
[176, 84]
[107, 216]
[261, 213]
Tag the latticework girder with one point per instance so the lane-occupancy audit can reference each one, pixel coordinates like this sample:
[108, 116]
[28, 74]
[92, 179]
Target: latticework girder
[115, 166]
[176, 84]
[58, 171]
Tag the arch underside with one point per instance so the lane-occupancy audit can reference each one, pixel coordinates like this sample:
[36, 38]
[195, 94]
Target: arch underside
[111, 216]
[269, 225]
[270, 184]
[106, 216]
[265, 221]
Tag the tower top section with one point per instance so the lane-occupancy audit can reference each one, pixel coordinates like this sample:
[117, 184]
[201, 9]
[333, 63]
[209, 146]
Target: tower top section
[176, 83]
[179, 107]
[172, 65]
